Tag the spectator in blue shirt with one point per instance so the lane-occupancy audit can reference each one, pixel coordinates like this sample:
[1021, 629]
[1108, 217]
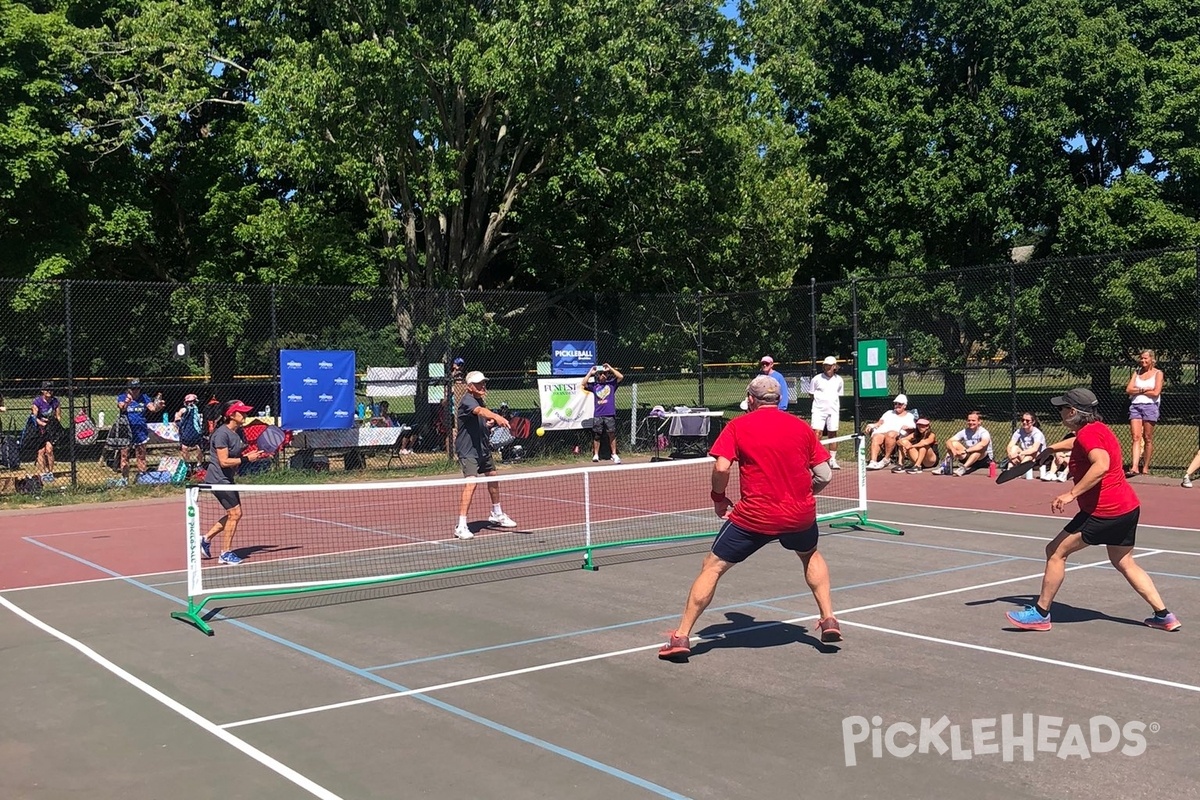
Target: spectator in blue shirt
[767, 365]
[134, 404]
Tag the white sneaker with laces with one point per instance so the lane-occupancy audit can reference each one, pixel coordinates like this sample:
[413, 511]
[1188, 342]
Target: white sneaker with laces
[833, 464]
[1187, 482]
[463, 532]
[596, 459]
[616, 459]
[503, 520]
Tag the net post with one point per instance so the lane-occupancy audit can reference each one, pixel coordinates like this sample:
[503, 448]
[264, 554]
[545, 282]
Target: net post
[194, 578]
[859, 519]
[588, 562]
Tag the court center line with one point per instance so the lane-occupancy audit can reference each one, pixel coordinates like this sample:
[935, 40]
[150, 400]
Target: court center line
[571, 755]
[195, 718]
[642, 648]
[1133, 676]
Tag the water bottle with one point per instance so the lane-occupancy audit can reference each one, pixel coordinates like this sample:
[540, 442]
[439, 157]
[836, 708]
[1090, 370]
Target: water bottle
[267, 411]
[361, 411]
[946, 463]
[166, 421]
[101, 419]
[991, 468]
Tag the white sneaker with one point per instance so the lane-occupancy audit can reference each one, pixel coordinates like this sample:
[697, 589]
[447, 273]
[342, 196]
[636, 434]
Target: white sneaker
[616, 459]
[833, 464]
[503, 520]
[463, 532]
[1187, 482]
[596, 459]
[1062, 477]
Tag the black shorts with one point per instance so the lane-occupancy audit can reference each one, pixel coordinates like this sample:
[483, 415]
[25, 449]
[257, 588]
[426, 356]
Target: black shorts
[228, 500]
[1108, 531]
[735, 545]
[472, 467]
[604, 424]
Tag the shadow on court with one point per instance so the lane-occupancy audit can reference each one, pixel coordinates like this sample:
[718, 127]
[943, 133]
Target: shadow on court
[743, 631]
[1061, 613]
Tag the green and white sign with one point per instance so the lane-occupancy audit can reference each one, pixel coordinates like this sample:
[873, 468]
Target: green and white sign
[871, 368]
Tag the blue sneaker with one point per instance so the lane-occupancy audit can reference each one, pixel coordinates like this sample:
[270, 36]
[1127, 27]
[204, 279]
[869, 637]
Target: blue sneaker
[1029, 619]
[230, 557]
[1167, 623]
[206, 547]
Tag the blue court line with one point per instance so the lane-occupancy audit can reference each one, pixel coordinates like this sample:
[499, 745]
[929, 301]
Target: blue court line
[578, 758]
[619, 625]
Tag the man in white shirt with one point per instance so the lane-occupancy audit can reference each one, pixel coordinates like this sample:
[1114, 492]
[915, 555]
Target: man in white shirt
[887, 429]
[827, 391]
[970, 447]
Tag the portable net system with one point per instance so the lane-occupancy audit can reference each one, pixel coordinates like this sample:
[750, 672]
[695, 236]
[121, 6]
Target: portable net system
[307, 538]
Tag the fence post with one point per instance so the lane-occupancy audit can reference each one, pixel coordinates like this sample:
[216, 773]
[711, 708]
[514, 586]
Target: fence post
[278, 400]
[1012, 337]
[854, 348]
[812, 326]
[70, 383]
[700, 346]
[1196, 358]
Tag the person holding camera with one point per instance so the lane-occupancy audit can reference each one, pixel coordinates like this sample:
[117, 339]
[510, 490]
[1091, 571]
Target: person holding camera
[132, 406]
[602, 382]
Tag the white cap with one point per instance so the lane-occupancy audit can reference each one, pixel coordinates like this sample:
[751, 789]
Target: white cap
[830, 360]
[475, 376]
[899, 398]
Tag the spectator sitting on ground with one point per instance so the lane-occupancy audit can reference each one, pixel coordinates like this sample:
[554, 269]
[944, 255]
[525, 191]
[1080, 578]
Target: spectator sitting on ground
[1026, 442]
[971, 447]
[1058, 469]
[919, 447]
[887, 430]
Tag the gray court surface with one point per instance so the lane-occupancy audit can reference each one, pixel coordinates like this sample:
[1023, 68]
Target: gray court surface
[542, 681]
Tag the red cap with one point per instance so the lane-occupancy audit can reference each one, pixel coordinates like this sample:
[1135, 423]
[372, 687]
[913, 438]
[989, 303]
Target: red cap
[237, 405]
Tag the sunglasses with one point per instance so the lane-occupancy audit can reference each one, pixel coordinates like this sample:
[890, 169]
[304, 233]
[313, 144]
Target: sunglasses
[1026, 419]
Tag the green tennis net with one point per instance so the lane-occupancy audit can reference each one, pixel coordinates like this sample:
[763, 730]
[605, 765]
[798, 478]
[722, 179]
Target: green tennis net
[305, 538]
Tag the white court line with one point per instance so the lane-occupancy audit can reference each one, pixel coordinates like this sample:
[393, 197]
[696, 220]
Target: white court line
[1029, 536]
[267, 761]
[369, 530]
[1133, 676]
[75, 533]
[640, 648]
[927, 506]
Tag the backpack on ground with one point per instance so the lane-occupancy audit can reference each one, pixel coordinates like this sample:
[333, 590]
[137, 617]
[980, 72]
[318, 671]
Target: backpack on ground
[10, 453]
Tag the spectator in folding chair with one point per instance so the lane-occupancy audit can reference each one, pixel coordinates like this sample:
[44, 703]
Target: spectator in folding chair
[887, 430]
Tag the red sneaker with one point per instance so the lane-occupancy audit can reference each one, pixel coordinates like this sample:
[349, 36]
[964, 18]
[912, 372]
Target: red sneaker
[830, 632]
[676, 647]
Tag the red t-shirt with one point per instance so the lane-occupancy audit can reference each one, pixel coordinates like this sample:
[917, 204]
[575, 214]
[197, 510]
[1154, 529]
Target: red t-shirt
[774, 451]
[1113, 496]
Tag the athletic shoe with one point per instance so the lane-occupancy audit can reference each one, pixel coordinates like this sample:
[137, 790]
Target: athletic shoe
[830, 632]
[960, 471]
[463, 532]
[913, 470]
[1029, 619]
[898, 468]
[833, 464]
[1187, 482]
[230, 557]
[1062, 477]
[206, 547]
[595, 459]
[502, 519]
[616, 459]
[677, 647]
[1167, 623]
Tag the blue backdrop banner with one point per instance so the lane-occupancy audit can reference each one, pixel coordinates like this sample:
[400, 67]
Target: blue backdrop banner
[317, 389]
[572, 358]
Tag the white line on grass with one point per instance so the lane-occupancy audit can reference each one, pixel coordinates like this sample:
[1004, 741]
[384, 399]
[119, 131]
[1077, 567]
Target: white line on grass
[639, 649]
[267, 761]
[1133, 676]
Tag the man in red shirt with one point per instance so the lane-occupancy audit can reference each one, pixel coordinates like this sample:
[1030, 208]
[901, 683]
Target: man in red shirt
[1108, 512]
[782, 466]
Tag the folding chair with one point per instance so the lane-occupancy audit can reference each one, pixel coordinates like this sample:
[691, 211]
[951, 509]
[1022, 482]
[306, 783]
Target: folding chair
[689, 434]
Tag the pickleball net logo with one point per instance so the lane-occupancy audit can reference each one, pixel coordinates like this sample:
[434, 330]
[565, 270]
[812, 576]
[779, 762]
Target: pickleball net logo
[1009, 736]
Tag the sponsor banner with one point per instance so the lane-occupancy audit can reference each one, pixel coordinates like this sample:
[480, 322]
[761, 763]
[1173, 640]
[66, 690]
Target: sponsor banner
[316, 389]
[572, 358]
[564, 404]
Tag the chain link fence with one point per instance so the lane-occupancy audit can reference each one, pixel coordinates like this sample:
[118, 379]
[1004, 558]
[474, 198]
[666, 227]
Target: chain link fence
[996, 338]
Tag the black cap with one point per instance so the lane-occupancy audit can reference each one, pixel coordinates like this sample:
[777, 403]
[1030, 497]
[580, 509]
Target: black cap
[1076, 398]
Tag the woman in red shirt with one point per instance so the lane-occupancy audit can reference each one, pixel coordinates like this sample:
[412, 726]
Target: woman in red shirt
[1108, 512]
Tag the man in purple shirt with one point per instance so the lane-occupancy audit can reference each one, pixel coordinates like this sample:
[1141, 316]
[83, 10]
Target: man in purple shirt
[46, 413]
[602, 382]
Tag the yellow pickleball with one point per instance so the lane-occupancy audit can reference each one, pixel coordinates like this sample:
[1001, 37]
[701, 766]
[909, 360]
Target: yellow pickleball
[541, 431]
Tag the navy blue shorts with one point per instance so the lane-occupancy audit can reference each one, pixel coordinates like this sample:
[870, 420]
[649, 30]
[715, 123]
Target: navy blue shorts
[735, 545]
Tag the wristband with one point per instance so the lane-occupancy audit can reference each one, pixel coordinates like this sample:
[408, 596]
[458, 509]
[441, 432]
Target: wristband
[718, 497]
[244, 459]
